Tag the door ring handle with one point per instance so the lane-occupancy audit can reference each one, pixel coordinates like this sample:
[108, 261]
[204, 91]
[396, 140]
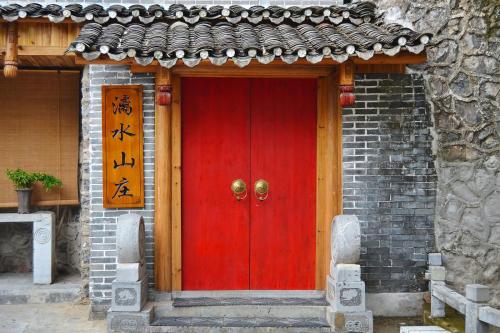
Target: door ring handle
[239, 189]
[261, 188]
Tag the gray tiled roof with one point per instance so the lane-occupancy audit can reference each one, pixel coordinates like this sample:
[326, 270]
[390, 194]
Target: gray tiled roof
[233, 14]
[221, 34]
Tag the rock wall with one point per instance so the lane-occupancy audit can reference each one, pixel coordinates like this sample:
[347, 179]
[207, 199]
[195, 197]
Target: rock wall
[462, 85]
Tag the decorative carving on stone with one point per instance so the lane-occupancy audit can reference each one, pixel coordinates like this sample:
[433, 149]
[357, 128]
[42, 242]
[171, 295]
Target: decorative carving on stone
[350, 296]
[354, 326]
[126, 324]
[351, 322]
[125, 296]
[42, 236]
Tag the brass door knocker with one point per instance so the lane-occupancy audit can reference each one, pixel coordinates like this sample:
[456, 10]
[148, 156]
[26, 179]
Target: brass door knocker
[261, 189]
[239, 189]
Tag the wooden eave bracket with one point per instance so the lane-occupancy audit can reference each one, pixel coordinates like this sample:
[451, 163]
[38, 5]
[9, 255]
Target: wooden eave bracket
[346, 71]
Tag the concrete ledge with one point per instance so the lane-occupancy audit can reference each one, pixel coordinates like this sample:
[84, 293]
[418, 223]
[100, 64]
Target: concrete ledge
[395, 304]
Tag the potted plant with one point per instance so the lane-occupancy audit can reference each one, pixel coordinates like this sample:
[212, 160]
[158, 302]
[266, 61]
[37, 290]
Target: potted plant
[23, 183]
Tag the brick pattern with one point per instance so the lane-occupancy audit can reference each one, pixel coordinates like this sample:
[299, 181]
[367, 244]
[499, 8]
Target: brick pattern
[390, 180]
[103, 221]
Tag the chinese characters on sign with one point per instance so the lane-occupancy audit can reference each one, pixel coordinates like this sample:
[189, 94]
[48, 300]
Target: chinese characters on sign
[123, 175]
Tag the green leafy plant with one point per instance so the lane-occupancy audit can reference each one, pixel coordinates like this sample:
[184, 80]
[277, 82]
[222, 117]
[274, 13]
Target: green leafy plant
[47, 181]
[23, 179]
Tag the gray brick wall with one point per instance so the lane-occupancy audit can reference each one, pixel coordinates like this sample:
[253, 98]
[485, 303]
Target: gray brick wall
[103, 221]
[390, 180]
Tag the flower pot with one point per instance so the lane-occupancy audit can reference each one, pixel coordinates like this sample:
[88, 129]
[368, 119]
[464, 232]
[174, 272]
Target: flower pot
[23, 200]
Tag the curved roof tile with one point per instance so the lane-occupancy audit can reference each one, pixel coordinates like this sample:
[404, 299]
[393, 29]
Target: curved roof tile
[220, 41]
[356, 13]
[218, 33]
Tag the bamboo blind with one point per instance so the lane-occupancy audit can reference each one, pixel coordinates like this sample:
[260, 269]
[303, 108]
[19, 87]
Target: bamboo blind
[39, 130]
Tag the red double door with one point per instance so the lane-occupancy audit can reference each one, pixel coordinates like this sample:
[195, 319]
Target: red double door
[248, 129]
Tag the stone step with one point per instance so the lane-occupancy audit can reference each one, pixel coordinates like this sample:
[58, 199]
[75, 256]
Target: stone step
[248, 311]
[19, 289]
[230, 301]
[193, 329]
[239, 324]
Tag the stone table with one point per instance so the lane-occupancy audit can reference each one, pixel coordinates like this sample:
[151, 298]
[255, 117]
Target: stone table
[44, 243]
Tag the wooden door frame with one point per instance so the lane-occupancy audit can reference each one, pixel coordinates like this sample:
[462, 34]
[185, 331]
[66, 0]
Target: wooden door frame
[168, 246]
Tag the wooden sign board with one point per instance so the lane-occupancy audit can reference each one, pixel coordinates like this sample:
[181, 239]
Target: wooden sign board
[122, 135]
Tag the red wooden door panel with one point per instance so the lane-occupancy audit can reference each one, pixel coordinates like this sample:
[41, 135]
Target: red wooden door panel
[283, 152]
[215, 151]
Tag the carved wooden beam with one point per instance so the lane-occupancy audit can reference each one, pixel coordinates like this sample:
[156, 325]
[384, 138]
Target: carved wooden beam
[11, 61]
[347, 97]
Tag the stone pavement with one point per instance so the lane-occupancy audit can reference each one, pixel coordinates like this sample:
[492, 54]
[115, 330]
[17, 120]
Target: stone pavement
[48, 318]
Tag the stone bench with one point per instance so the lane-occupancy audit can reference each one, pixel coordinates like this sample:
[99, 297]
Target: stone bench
[44, 243]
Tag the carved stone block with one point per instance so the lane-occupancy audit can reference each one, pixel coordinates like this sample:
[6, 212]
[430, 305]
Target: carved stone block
[346, 296]
[129, 296]
[350, 322]
[128, 322]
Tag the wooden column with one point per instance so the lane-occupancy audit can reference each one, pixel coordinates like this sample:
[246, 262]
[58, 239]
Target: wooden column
[10, 61]
[329, 170]
[176, 185]
[346, 78]
[163, 178]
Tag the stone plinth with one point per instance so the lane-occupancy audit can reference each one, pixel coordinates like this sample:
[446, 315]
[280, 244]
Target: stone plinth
[345, 291]
[44, 243]
[130, 288]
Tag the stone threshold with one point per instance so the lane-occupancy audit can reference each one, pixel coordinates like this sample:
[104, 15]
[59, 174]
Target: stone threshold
[240, 322]
[250, 294]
